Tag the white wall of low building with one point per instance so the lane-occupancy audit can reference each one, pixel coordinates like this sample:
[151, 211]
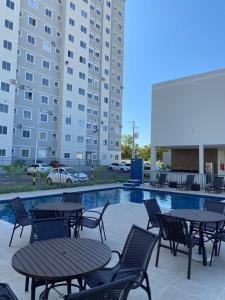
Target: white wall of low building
[189, 111]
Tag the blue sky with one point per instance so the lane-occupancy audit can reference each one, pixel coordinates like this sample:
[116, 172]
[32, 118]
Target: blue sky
[167, 39]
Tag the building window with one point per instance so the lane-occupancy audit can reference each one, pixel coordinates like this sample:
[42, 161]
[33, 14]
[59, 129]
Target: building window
[2, 152]
[46, 64]
[4, 108]
[82, 60]
[32, 21]
[71, 22]
[81, 107]
[69, 104]
[30, 58]
[27, 114]
[10, 4]
[81, 92]
[5, 87]
[9, 24]
[71, 38]
[69, 87]
[29, 76]
[48, 12]
[67, 138]
[83, 29]
[28, 95]
[3, 130]
[26, 134]
[82, 75]
[70, 70]
[43, 136]
[68, 120]
[25, 153]
[66, 155]
[45, 81]
[46, 47]
[33, 4]
[80, 139]
[48, 29]
[7, 45]
[31, 39]
[6, 66]
[83, 14]
[83, 44]
[43, 117]
[70, 54]
[72, 5]
[44, 99]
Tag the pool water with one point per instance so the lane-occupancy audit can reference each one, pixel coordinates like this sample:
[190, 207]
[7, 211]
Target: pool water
[93, 199]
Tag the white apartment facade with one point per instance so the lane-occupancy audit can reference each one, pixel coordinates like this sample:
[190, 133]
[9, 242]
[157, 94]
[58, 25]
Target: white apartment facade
[61, 80]
[188, 118]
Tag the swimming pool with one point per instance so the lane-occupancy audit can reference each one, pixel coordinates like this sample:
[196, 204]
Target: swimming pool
[97, 198]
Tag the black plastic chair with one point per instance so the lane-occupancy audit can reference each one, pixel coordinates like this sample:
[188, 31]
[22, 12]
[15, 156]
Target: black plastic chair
[117, 290]
[175, 231]
[6, 293]
[162, 180]
[73, 197]
[22, 217]
[92, 222]
[216, 186]
[187, 184]
[44, 229]
[133, 260]
[152, 208]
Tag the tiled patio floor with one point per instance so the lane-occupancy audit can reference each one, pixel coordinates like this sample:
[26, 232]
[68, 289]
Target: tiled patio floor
[168, 281]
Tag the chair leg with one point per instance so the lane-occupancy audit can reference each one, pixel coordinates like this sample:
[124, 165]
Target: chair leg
[148, 224]
[27, 284]
[148, 290]
[103, 228]
[158, 250]
[21, 232]
[213, 250]
[189, 262]
[100, 230]
[14, 228]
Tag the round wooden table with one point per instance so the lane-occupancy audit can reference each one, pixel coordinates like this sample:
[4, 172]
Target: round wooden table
[202, 217]
[61, 259]
[61, 206]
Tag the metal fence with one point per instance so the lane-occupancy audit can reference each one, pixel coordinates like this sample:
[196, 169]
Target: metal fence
[180, 177]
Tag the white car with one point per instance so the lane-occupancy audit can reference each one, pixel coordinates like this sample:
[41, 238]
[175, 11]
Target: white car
[119, 166]
[66, 175]
[38, 168]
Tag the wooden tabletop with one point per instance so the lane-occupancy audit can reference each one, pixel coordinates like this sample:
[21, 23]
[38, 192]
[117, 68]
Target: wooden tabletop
[61, 259]
[197, 215]
[61, 206]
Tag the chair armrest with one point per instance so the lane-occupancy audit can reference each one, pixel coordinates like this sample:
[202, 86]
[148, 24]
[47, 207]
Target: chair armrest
[91, 211]
[123, 273]
[89, 217]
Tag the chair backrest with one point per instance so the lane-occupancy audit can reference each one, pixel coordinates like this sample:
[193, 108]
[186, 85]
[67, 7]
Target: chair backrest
[190, 179]
[162, 177]
[72, 197]
[153, 208]
[218, 181]
[18, 208]
[138, 249]
[103, 210]
[45, 229]
[45, 214]
[173, 229]
[215, 206]
[116, 290]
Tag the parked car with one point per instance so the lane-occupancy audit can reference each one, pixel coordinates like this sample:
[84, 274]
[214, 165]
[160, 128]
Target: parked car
[41, 168]
[66, 175]
[119, 166]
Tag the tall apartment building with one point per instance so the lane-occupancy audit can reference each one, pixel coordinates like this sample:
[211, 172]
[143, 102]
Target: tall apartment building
[61, 66]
